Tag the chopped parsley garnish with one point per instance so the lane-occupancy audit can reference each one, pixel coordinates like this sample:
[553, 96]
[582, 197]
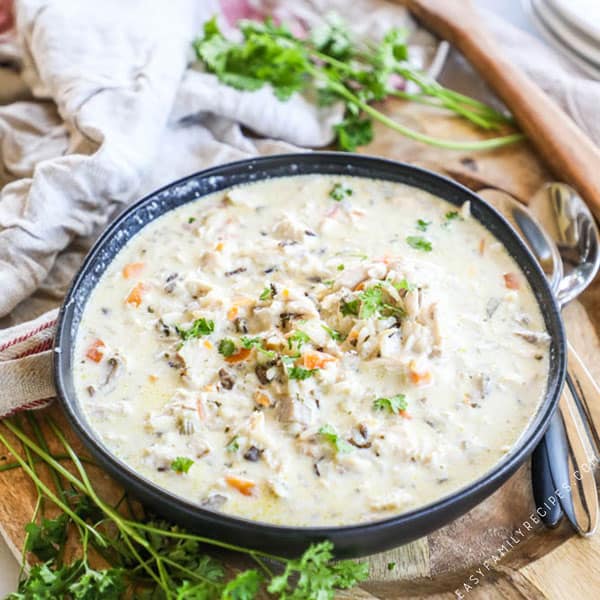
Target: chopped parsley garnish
[233, 445]
[300, 373]
[293, 372]
[333, 334]
[419, 243]
[350, 307]
[328, 282]
[422, 225]
[191, 220]
[403, 284]
[199, 328]
[340, 191]
[371, 301]
[298, 337]
[391, 566]
[395, 404]
[266, 293]
[340, 267]
[340, 445]
[182, 464]
[227, 347]
[248, 342]
[258, 343]
[450, 216]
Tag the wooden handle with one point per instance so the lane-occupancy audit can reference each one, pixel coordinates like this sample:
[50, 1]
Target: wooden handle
[571, 155]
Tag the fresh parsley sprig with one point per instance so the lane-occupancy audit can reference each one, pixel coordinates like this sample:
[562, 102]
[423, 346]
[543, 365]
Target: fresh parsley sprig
[342, 70]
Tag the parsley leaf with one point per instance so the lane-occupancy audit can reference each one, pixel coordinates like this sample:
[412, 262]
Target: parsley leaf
[266, 293]
[350, 307]
[258, 343]
[248, 342]
[300, 373]
[403, 284]
[233, 445]
[45, 540]
[450, 216]
[267, 55]
[338, 192]
[422, 225]
[181, 464]
[199, 328]
[333, 334]
[108, 584]
[371, 302]
[244, 586]
[314, 576]
[299, 338]
[340, 445]
[353, 132]
[191, 220]
[227, 347]
[395, 404]
[419, 243]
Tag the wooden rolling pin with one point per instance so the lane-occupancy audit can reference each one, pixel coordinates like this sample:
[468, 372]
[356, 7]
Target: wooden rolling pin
[571, 155]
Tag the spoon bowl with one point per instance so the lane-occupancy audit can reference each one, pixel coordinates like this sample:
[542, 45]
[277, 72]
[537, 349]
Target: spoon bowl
[569, 222]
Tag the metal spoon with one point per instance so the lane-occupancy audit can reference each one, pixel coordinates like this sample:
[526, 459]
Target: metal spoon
[568, 220]
[558, 463]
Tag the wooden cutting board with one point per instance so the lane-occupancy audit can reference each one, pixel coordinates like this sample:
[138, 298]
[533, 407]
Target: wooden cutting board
[497, 541]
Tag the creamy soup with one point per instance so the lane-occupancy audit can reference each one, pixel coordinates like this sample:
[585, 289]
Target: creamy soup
[312, 350]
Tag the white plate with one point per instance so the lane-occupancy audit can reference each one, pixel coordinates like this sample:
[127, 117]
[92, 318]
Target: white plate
[582, 14]
[586, 66]
[580, 42]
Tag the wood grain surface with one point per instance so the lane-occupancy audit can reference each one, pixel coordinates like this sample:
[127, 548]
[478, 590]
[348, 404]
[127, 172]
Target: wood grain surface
[489, 552]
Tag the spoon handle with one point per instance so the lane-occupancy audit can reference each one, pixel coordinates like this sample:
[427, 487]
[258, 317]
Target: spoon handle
[564, 146]
[546, 502]
[588, 393]
[562, 473]
[583, 495]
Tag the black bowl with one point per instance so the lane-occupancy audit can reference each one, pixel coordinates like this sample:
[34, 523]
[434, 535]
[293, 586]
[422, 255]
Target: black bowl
[354, 540]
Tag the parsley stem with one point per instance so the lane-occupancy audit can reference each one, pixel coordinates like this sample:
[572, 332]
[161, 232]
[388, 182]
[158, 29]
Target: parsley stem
[416, 135]
[189, 536]
[47, 491]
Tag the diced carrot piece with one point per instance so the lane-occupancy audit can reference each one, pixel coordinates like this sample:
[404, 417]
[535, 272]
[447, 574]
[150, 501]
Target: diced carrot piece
[219, 247]
[244, 486]
[511, 281]
[418, 377]
[232, 313]
[261, 398]
[481, 246]
[359, 286]
[95, 352]
[405, 414]
[239, 356]
[207, 344]
[316, 360]
[133, 270]
[135, 295]
[152, 378]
